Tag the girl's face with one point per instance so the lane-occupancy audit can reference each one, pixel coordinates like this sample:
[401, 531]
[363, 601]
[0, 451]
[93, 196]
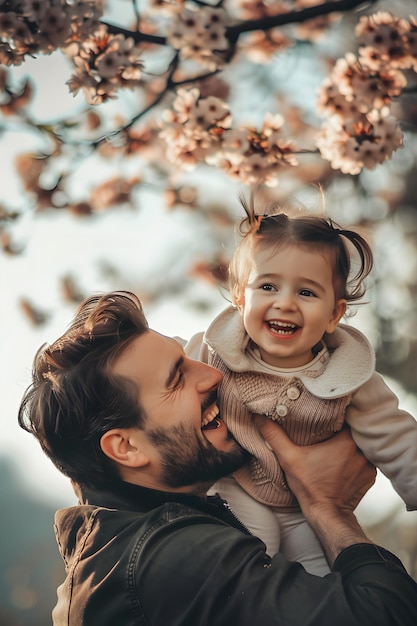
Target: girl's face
[289, 303]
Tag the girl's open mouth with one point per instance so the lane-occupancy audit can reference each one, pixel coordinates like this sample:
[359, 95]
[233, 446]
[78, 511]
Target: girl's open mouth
[282, 328]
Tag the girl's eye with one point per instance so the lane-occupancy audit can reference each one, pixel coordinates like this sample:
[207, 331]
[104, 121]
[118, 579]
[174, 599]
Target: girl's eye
[307, 292]
[267, 287]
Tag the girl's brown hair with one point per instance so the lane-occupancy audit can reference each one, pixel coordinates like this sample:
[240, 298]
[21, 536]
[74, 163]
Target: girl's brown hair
[274, 229]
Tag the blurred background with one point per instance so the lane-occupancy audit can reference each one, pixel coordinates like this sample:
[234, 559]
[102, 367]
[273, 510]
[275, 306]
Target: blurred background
[84, 209]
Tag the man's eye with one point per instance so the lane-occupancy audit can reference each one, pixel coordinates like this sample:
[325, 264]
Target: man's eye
[180, 379]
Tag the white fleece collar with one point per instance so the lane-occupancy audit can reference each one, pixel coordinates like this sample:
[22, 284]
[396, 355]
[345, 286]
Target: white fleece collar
[351, 359]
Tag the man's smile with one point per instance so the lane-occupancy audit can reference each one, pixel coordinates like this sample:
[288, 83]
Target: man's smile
[210, 420]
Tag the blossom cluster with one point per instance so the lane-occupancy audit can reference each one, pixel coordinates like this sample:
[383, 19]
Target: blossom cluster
[29, 27]
[200, 129]
[360, 129]
[104, 63]
[199, 35]
[192, 129]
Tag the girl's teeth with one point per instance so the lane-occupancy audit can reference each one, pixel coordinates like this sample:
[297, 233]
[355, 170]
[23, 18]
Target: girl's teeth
[282, 331]
[283, 328]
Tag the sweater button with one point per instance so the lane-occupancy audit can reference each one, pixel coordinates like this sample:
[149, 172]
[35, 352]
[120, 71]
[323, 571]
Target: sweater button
[282, 410]
[293, 393]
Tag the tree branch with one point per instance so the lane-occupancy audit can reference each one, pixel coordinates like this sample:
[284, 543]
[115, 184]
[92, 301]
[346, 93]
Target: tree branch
[264, 23]
[143, 112]
[293, 17]
[194, 79]
[136, 35]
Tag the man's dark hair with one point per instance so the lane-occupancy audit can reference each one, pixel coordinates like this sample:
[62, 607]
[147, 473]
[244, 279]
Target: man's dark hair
[75, 398]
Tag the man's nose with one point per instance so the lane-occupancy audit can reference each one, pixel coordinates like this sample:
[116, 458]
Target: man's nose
[207, 377]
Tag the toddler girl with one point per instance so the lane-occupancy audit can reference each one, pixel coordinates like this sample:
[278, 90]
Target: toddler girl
[284, 355]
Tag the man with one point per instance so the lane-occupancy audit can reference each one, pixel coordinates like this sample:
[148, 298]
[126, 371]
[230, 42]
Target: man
[123, 412]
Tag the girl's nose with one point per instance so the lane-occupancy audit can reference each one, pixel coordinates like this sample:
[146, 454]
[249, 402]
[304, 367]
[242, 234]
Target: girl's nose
[284, 300]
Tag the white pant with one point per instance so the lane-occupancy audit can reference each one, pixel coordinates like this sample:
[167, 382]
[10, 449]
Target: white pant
[288, 533]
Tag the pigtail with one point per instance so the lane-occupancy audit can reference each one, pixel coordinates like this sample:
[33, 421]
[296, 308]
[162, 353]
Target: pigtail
[356, 285]
[252, 221]
[255, 219]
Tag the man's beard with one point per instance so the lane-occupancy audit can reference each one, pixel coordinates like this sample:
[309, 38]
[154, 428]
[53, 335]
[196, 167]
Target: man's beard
[187, 460]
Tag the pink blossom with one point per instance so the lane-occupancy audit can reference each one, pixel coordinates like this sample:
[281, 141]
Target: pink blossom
[368, 88]
[382, 40]
[364, 143]
[199, 34]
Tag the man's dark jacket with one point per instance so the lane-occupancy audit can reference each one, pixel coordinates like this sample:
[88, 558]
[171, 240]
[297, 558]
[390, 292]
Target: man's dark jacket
[139, 557]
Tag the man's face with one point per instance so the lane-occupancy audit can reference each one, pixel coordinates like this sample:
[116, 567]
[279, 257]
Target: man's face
[185, 438]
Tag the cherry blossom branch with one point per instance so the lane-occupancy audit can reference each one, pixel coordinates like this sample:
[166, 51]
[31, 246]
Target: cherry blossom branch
[137, 36]
[194, 79]
[293, 17]
[168, 87]
[55, 130]
[265, 23]
[359, 129]
[133, 120]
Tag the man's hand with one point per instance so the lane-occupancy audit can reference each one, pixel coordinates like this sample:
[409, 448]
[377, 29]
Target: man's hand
[333, 472]
[328, 479]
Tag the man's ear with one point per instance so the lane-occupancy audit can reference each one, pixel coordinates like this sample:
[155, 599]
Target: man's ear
[122, 445]
[338, 312]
